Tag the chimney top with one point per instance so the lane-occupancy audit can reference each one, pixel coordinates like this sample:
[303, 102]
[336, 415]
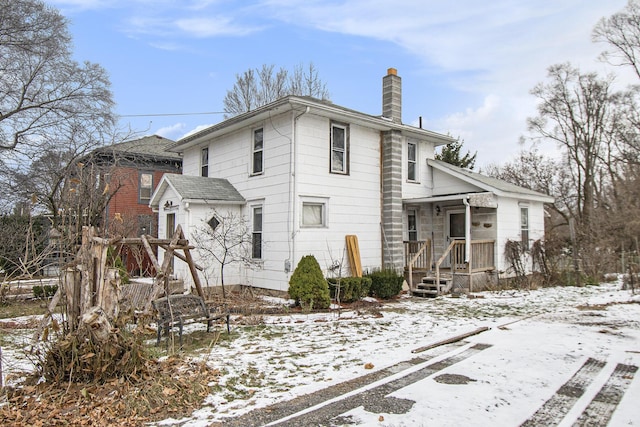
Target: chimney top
[392, 96]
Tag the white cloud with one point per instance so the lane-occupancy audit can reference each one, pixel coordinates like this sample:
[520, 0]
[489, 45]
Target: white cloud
[171, 132]
[212, 26]
[494, 51]
[195, 130]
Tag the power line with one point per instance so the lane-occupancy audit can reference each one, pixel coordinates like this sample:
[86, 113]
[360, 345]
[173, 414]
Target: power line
[172, 114]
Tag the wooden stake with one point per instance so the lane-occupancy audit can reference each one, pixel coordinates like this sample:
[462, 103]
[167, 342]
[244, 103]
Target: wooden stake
[450, 340]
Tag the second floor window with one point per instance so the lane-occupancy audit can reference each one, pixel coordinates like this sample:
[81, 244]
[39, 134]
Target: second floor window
[339, 148]
[146, 187]
[258, 148]
[411, 161]
[204, 162]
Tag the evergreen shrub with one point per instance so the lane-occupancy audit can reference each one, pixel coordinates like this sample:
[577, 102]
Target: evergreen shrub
[307, 285]
[385, 284]
[351, 288]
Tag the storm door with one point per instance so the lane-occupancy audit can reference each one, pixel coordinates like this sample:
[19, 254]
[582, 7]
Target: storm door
[456, 230]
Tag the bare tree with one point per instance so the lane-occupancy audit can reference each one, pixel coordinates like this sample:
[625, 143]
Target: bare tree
[255, 88]
[306, 81]
[226, 239]
[577, 112]
[43, 91]
[621, 32]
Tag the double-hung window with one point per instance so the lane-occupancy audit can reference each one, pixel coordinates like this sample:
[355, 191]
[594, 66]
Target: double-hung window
[256, 241]
[524, 228]
[204, 162]
[339, 148]
[412, 155]
[145, 187]
[257, 158]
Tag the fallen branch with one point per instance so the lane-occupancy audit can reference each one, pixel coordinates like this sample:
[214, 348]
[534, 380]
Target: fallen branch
[450, 340]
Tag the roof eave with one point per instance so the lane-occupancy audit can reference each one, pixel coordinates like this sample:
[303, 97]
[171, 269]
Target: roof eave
[305, 104]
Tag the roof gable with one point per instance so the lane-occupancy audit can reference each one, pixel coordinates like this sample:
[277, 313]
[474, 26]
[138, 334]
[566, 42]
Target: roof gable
[198, 189]
[487, 183]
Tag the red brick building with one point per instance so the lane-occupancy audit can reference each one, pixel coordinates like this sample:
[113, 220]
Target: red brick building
[134, 170]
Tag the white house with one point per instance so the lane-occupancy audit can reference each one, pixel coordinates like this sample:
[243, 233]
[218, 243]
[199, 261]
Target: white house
[305, 173]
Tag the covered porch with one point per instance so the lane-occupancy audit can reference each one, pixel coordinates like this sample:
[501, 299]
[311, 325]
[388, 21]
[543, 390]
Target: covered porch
[450, 243]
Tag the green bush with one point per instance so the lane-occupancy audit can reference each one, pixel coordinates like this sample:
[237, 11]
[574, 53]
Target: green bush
[307, 285]
[351, 288]
[46, 291]
[385, 284]
[114, 260]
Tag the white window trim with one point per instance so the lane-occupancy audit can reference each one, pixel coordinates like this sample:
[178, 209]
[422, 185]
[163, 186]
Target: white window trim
[253, 208]
[315, 201]
[145, 200]
[525, 244]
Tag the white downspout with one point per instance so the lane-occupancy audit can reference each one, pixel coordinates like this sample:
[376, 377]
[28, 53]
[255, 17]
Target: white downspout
[293, 192]
[467, 230]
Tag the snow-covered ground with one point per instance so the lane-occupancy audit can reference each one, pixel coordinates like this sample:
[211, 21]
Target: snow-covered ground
[535, 342]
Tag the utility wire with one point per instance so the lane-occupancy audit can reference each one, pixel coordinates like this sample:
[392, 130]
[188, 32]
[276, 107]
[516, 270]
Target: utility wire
[172, 114]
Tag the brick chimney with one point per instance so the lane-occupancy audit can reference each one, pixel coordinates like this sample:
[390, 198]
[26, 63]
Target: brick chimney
[392, 96]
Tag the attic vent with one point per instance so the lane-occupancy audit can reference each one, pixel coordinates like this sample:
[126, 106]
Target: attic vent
[213, 223]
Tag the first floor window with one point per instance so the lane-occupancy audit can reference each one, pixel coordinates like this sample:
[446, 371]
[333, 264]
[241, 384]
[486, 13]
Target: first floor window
[146, 187]
[168, 233]
[524, 228]
[411, 161]
[256, 241]
[412, 225]
[339, 148]
[313, 214]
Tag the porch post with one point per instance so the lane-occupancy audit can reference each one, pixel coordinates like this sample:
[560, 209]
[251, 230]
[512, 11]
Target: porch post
[467, 232]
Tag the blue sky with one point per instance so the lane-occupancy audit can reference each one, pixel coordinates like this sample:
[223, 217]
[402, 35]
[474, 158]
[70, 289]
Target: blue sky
[467, 66]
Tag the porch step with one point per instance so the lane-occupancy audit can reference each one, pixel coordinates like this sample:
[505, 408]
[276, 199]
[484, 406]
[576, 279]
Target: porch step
[428, 288]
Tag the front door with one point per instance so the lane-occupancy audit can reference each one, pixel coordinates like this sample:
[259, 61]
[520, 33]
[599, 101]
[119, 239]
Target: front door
[456, 230]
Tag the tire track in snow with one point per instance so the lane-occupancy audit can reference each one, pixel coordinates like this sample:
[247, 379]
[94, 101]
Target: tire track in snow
[601, 408]
[374, 399]
[557, 407]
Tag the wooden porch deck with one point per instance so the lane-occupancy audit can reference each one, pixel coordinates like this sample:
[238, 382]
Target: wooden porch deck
[434, 279]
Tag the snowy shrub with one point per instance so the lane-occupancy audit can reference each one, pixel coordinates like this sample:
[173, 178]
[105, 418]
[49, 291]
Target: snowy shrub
[307, 285]
[351, 288]
[385, 284]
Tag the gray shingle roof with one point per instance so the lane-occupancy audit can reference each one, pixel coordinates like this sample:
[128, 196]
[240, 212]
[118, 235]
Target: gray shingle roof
[148, 146]
[203, 188]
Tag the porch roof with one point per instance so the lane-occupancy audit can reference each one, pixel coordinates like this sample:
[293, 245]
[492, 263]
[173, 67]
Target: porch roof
[485, 184]
[445, 198]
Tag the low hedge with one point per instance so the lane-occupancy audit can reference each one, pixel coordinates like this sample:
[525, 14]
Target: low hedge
[351, 288]
[385, 284]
